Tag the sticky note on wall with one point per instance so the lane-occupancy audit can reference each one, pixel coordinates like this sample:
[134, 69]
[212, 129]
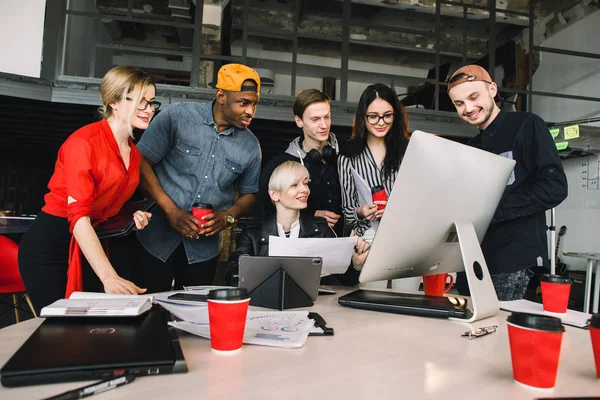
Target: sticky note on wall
[562, 145]
[571, 132]
[554, 132]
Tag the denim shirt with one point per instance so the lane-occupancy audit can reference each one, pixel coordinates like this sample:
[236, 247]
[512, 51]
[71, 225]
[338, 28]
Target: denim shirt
[194, 162]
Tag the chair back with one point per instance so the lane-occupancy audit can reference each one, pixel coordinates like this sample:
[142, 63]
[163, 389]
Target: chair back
[10, 277]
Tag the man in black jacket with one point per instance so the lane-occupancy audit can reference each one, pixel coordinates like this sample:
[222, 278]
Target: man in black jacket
[317, 150]
[516, 240]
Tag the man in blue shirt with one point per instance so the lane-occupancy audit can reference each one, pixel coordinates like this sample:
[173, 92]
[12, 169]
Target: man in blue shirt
[515, 242]
[198, 152]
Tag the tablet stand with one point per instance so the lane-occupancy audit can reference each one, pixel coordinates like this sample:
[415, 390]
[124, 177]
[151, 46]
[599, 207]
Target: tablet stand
[483, 295]
[280, 291]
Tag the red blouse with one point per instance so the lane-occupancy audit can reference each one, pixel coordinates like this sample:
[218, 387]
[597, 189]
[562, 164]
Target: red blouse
[90, 169]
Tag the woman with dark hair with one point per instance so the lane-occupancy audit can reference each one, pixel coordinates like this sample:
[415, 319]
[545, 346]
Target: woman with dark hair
[375, 151]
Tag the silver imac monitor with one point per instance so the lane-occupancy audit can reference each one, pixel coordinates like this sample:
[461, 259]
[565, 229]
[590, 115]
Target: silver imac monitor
[443, 200]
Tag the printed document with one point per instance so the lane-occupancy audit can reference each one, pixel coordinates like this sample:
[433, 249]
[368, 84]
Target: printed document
[335, 252]
[286, 329]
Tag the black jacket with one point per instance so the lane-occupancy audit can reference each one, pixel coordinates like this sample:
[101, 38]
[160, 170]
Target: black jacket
[516, 238]
[254, 241]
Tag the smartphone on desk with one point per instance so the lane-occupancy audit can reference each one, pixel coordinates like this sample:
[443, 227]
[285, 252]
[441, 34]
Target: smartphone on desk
[188, 297]
[326, 290]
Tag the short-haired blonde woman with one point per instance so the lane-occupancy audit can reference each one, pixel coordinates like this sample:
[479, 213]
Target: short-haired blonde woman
[96, 172]
[288, 190]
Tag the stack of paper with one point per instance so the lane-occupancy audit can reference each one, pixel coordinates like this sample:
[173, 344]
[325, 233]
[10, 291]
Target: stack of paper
[571, 317]
[82, 304]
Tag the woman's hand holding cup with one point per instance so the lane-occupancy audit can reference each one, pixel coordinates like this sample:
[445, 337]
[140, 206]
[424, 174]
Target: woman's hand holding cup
[368, 212]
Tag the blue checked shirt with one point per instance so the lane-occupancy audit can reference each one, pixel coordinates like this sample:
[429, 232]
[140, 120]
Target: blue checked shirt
[194, 162]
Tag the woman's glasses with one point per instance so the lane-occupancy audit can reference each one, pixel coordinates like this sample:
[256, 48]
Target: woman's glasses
[374, 119]
[145, 103]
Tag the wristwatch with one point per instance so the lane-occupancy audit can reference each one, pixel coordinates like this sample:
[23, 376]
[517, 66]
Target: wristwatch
[230, 219]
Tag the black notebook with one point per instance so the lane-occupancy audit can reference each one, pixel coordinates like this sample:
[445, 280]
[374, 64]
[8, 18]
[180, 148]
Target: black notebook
[122, 223]
[405, 303]
[87, 348]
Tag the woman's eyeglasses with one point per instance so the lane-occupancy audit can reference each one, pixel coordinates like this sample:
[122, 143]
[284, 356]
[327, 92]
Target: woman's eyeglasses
[145, 103]
[374, 119]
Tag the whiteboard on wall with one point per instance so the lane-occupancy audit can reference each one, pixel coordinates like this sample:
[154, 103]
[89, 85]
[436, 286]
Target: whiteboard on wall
[21, 36]
[583, 176]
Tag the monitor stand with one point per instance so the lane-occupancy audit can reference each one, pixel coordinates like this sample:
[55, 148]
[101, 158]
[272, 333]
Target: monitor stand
[483, 295]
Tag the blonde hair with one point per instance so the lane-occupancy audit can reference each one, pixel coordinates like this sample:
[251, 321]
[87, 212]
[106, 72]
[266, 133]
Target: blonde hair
[286, 174]
[117, 83]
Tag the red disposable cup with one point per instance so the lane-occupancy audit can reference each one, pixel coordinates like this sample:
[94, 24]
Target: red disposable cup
[555, 293]
[227, 309]
[437, 285]
[595, 335]
[535, 348]
[199, 210]
[378, 194]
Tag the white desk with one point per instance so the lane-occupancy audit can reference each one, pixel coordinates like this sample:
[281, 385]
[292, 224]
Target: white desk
[593, 267]
[372, 356]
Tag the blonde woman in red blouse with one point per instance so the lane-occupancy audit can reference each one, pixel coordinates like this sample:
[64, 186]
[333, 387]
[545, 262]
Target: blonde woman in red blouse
[97, 171]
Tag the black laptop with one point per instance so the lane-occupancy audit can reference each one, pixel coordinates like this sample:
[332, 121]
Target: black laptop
[72, 349]
[405, 303]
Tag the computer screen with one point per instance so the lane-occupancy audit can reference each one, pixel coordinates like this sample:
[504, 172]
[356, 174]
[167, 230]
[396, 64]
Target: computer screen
[439, 183]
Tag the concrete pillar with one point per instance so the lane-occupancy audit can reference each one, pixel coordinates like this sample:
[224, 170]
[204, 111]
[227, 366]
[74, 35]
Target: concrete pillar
[212, 22]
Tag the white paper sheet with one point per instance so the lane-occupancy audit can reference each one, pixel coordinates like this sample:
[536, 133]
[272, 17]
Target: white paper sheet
[364, 193]
[571, 317]
[362, 188]
[335, 252]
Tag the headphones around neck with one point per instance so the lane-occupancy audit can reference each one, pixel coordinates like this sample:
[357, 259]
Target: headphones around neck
[328, 153]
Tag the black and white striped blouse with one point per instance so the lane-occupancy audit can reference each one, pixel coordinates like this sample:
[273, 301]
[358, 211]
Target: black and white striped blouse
[365, 165]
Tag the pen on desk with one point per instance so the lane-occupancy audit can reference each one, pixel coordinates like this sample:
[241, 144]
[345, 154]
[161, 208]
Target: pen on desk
[94, 388]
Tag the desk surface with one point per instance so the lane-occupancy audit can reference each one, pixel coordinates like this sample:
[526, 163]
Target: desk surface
[372, 356]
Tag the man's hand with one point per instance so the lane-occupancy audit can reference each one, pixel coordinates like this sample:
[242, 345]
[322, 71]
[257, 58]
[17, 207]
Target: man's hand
[330, 216]
[184, 222]
[214, 223]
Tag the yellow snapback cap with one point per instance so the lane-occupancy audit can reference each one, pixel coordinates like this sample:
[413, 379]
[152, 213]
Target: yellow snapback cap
[232, 76]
